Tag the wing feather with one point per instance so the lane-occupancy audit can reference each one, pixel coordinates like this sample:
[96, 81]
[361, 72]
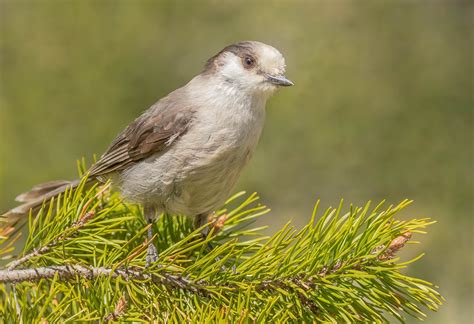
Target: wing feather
[155, 130]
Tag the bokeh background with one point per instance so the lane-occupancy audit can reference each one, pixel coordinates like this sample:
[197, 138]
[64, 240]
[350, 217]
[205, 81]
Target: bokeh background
[382, 107]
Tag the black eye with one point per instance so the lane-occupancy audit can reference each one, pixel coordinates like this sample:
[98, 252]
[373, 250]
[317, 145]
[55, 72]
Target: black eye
[249, 61]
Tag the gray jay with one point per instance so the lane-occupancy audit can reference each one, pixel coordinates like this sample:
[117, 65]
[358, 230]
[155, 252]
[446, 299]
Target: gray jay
[185, 153]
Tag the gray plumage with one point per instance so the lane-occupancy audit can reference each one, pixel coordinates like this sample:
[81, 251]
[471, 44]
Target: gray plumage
[186, 152]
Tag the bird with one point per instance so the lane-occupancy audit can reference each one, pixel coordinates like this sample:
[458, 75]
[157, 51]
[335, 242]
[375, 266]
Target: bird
[186, 152]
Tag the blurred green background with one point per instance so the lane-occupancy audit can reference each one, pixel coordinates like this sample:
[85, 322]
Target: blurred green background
[382, 107]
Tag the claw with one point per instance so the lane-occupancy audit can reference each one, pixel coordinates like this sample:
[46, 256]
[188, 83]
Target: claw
[152, 255]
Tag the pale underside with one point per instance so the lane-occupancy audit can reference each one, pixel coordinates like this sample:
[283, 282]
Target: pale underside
[193, 168]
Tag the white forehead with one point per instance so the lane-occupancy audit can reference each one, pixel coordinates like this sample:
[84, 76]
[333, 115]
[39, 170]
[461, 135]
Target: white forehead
[269, 58]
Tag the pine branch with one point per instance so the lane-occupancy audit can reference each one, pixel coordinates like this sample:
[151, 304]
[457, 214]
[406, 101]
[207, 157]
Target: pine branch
[42, 250]
[68, 272]
[84, 260]
[72, 272]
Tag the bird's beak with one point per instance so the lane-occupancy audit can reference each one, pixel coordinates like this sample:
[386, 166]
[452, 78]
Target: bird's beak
[280, 80]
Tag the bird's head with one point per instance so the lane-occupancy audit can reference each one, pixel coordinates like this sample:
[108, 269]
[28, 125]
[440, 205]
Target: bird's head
[249, 66]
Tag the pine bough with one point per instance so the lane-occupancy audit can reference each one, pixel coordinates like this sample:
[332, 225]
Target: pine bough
[84, 260]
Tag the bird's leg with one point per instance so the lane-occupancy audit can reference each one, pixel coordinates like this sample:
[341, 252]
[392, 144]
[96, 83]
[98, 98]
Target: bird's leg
[152, 254]
[203, 219]
[199, 221]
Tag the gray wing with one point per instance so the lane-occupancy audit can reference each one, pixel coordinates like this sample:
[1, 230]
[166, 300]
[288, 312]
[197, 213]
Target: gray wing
[155, 130]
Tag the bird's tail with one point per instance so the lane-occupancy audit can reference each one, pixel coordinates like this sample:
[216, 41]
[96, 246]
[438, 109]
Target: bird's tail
[39, 194]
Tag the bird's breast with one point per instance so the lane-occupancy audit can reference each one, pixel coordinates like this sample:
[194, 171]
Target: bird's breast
[219, 149]
[199, 170]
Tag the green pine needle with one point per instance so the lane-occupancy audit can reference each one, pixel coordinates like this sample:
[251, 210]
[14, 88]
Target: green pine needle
[340, 267]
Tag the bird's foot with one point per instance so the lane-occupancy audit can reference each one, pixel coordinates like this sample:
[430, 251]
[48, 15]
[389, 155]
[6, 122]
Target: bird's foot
[215, 224]
[152, 254]
[210, 247]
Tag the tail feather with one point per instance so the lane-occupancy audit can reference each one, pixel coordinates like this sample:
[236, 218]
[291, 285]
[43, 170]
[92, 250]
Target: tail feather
[39, 194]
[40, 190]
